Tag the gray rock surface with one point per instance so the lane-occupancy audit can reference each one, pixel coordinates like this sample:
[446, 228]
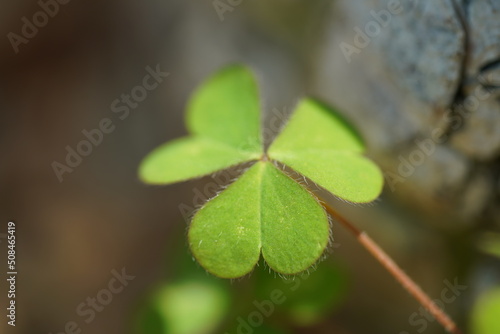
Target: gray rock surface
[422, 70]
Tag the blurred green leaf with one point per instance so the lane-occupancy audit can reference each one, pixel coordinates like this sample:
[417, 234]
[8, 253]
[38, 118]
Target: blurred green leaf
[189, 307]
[319, 145]
[490, 243]
[486, 313]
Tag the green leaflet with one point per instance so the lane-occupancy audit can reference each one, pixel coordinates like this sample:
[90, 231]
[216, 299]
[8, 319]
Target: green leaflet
[224, 235]
[223, 118]
[313, 126]
[346, 175]
[320, 146]
[226, 108]
[264, 209]
[187, 158]
[295, 227]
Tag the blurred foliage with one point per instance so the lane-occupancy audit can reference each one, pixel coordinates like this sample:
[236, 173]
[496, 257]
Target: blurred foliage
[311, 296]
[185, 308]
[194, 302]
[485, 318]
[489, 243]
[486, 313]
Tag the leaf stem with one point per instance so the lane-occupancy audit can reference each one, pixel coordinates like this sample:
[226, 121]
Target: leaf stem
[396, 272]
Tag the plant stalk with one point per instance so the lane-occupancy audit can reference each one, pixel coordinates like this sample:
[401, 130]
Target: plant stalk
[397, 272]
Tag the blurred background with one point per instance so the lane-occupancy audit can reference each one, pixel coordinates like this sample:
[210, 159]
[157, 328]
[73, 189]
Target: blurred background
[420, 80]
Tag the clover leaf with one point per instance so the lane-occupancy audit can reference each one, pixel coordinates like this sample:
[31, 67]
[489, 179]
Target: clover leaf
[265, 211]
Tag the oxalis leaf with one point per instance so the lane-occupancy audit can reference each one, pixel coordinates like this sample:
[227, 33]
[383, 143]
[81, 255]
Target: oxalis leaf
[265, 211]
